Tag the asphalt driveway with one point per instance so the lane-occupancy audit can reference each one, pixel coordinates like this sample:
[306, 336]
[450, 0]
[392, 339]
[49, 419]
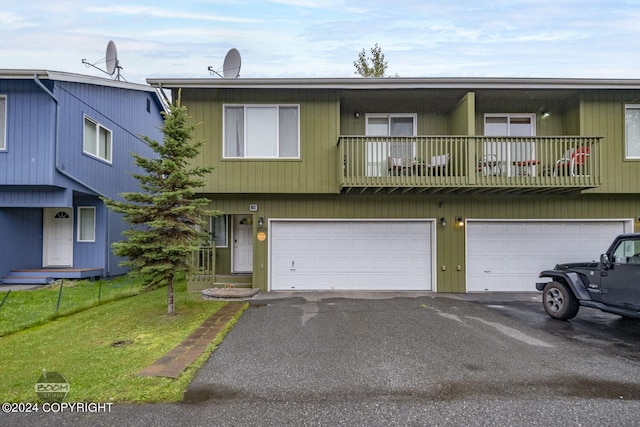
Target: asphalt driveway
[393, 359]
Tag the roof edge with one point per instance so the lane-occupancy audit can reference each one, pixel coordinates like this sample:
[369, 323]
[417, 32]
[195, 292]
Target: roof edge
[398, 83]
[26, 74]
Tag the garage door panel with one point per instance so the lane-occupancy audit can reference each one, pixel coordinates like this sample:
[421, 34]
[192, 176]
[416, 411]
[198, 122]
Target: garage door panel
[354, 255]
[508, 256]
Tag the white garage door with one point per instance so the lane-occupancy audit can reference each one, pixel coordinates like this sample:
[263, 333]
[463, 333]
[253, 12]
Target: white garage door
[350, 255]
[509, 255]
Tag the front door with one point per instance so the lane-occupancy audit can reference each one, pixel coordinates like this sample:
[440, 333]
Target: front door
[57, 237]
[243, 244]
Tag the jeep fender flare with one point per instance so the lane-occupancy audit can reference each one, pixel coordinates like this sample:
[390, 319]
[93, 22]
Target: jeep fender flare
[571, 278]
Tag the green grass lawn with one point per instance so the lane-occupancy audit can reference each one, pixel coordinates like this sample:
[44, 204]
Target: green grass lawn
[22, 309]
[100, 350]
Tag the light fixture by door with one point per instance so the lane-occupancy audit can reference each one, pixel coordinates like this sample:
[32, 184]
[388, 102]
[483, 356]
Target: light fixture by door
[443, 222]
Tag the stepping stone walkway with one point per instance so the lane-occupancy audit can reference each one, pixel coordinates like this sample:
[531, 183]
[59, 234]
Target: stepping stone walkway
[184, 354]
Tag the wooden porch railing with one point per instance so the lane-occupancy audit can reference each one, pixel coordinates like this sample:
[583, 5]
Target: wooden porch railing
[204, 261]
[478, 161]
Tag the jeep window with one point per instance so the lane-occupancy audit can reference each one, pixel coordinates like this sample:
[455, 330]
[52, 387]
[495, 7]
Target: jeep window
[627, 251]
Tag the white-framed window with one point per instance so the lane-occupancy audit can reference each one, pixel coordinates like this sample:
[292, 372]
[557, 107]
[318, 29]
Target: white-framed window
[97, 140]
[261, 131]
[219, 231]
[3, 122]
[632, 131]
[381, 151]
[86, 224]
[391, 124]
[508, 153]
[509, 124]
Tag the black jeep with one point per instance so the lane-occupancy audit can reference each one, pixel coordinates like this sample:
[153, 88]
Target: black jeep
[611, 285]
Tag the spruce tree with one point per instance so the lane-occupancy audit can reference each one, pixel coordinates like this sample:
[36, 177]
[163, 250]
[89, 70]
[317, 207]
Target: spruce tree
[164, 215]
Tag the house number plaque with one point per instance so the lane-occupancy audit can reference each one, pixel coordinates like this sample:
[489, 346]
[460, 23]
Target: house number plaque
[262, 236]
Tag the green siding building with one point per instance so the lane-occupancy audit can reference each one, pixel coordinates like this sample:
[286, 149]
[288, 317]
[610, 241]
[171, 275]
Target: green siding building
[432, 184]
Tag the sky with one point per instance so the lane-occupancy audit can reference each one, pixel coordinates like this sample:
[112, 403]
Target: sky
[322, 38]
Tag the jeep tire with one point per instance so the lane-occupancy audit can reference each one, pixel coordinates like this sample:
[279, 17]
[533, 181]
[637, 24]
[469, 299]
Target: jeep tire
[559, 301]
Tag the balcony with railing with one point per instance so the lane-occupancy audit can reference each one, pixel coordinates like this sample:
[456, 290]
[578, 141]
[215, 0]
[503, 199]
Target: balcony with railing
[475, 163]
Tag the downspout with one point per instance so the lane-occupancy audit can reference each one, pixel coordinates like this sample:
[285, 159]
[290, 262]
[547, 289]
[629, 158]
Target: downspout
[61, 170]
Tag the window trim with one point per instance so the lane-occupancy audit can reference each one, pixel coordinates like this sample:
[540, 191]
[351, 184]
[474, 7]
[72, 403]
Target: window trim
[389, 116]
[244, 107]
[626, 142]
[3, 131]
[98, 127]
[80, 215]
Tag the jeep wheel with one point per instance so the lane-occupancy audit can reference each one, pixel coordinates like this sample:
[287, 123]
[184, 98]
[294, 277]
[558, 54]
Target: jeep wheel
[559, 302]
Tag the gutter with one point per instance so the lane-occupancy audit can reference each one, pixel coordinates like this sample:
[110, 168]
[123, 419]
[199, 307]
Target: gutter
[60, 168]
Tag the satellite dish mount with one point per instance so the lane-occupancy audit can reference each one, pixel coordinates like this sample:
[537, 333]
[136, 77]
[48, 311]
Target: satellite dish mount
[230, 67]
[111, 62]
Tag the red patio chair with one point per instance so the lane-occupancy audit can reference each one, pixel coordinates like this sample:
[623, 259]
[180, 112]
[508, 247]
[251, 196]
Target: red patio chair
[573, 162]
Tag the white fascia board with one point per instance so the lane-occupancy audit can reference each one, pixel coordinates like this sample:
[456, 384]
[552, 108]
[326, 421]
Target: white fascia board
[396, 83]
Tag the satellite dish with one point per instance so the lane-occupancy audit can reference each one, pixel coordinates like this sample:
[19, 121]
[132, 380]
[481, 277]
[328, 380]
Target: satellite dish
[231, 65]
[111, 58]
[111, 62]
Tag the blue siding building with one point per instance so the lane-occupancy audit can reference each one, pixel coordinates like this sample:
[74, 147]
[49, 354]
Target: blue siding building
[65, 140]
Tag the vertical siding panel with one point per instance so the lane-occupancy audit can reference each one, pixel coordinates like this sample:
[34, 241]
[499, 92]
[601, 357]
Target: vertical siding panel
[307, 148]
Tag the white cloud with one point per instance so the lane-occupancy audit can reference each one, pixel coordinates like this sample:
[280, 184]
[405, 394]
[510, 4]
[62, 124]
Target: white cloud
[155, 12]
[13, 21]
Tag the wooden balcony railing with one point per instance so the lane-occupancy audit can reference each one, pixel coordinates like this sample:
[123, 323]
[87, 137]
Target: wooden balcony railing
[448, 162]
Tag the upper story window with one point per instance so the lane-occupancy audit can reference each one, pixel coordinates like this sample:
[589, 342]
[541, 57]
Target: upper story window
[510, 124]
[391, 124]
[3, 122]
[632, 131]
[261, 131]
[97, 140]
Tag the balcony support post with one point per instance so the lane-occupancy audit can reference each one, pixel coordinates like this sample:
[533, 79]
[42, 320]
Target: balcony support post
[471, 161]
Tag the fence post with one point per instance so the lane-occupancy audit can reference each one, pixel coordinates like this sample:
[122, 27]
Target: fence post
[59, 295]
[5, 298]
